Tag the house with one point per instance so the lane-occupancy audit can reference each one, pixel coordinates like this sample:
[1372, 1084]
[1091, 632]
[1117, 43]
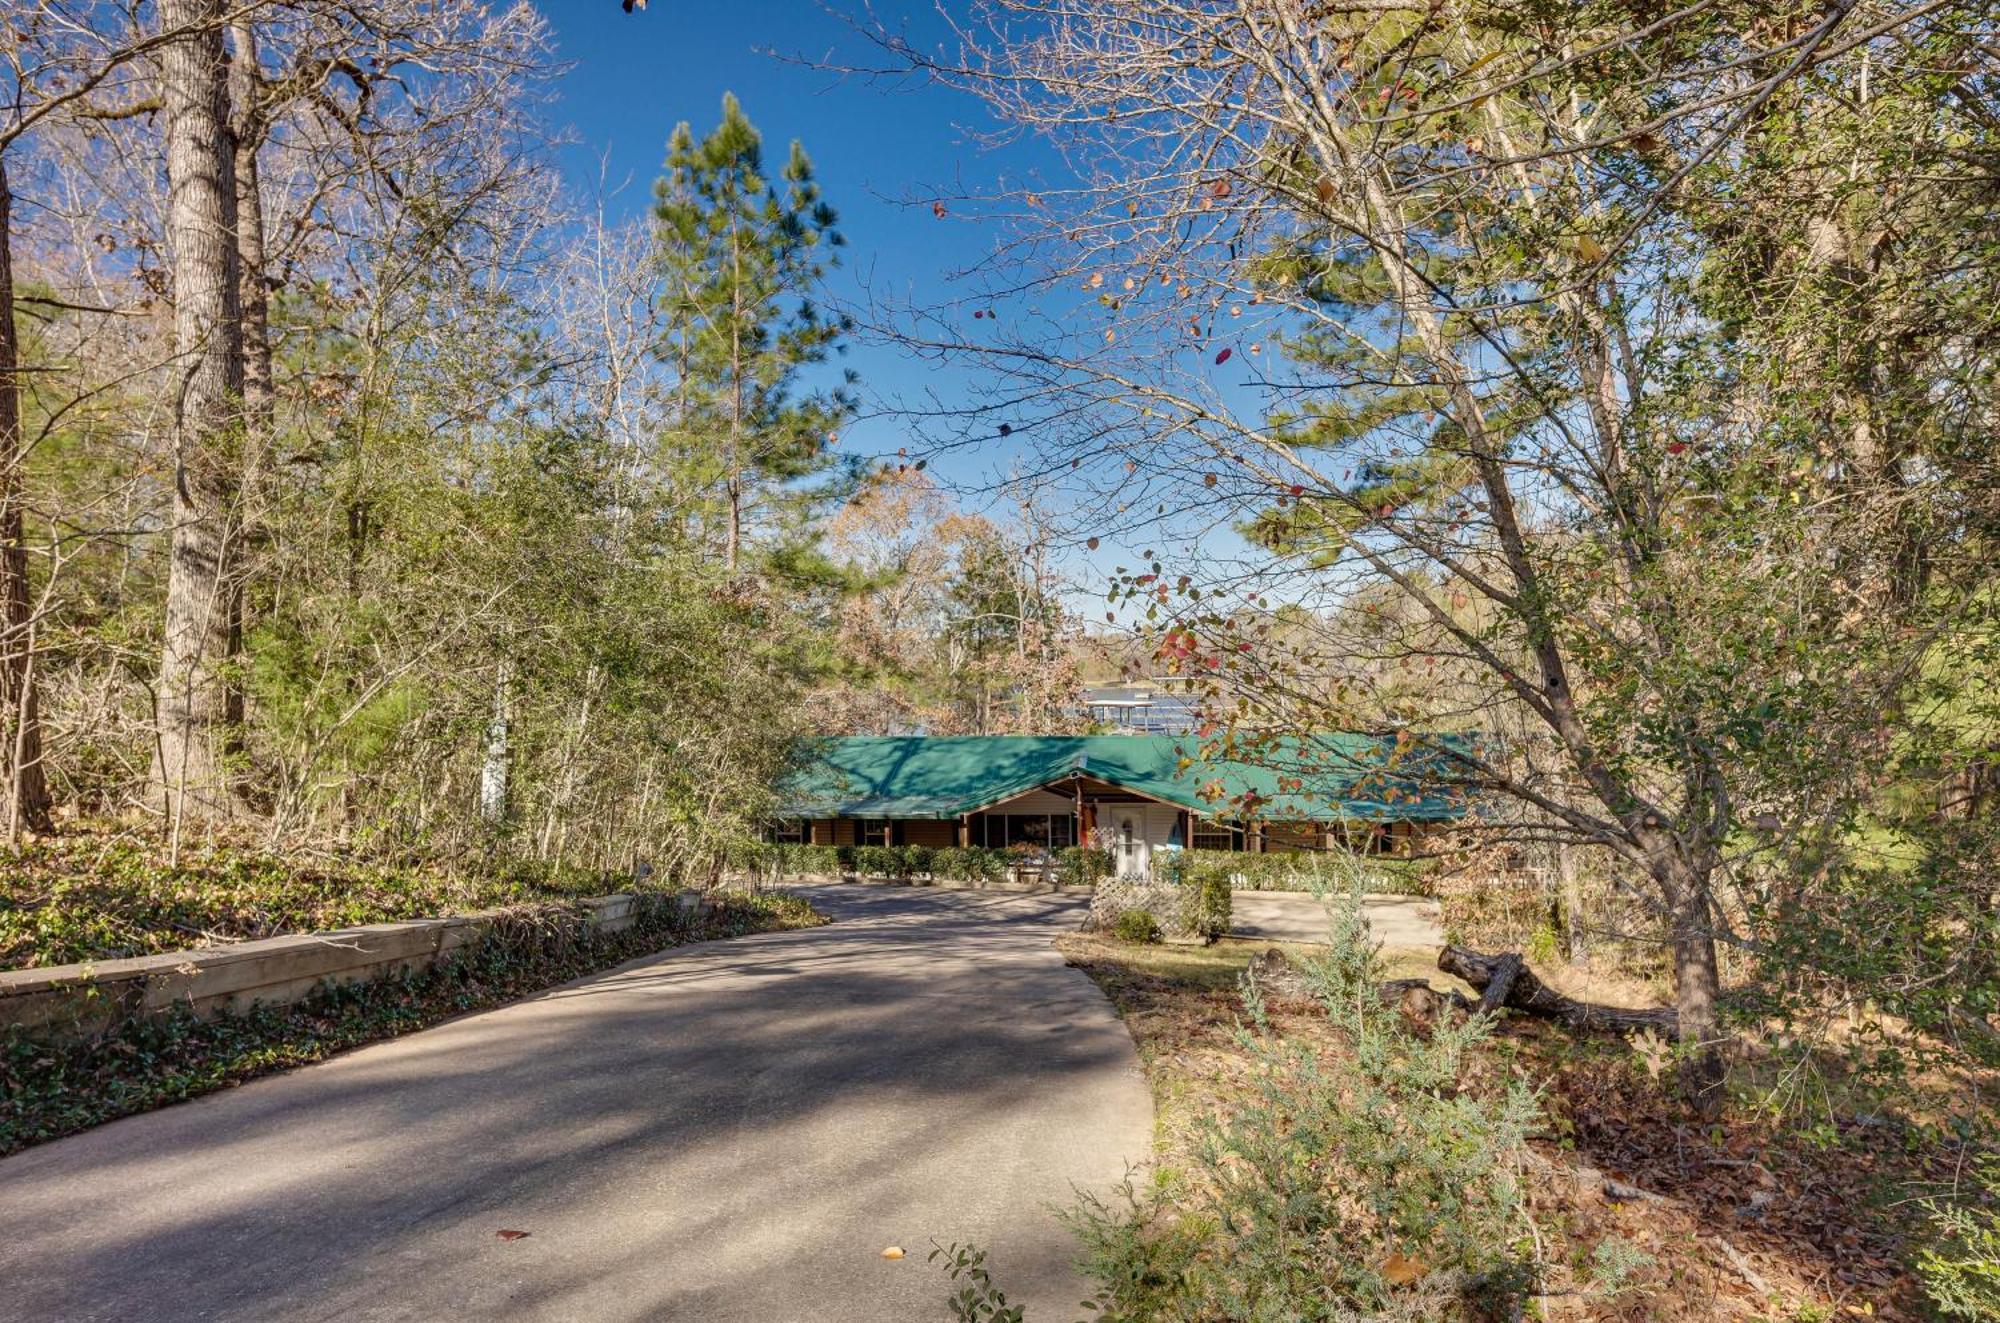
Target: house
[1143, 707]
[1134, 795]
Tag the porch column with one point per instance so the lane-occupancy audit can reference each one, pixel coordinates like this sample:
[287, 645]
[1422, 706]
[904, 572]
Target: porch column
[964, 830]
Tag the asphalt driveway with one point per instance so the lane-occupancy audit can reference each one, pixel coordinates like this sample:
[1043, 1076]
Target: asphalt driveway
[731, 1131]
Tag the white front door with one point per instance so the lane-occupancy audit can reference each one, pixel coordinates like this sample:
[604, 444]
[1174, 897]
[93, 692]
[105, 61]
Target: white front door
[1131, 850]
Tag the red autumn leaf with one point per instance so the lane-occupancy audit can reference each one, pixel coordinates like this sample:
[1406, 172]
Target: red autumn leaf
[1676, 447]
[1091, 543]
[1298, 490]
[937, 210]
[1223, 357]
[1221, 188]
[511, 1235]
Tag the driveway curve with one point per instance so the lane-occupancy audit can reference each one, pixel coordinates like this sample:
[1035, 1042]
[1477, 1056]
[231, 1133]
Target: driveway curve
[729, 1131]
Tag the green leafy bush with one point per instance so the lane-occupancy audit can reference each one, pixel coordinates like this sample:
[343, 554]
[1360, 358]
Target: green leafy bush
[977, 1299]
[1136, 926]
[1360, 1178]
[1961, 1269]
[785, 860]
[1206, 908]
[1203, 889]
[1082, 866]
[1074, 866]
[970, 864]
[877, 861]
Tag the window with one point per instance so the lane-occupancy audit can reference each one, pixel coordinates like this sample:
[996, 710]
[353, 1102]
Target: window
[1217, 836]
[873, 831]
[789, 831]
[1042, 831]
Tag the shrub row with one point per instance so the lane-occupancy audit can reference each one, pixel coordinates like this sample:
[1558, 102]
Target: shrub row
[1074, 866]
[1303, 871]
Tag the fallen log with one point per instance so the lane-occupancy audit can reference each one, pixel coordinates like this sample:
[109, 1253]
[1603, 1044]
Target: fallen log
[1506, 980]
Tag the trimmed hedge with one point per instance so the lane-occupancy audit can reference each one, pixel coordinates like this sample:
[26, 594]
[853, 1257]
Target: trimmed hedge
[1074, 866]
[1082, 866]
[1299, 871]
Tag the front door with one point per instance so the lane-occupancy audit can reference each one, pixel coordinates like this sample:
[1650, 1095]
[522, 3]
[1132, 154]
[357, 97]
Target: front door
[1134, 853]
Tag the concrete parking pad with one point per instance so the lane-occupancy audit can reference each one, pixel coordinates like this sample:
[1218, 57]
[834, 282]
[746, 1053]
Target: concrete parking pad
[731, 1131]
[1296, 916]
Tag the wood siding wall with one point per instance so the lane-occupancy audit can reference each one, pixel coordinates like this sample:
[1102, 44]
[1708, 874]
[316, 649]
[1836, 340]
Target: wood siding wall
[929, 831]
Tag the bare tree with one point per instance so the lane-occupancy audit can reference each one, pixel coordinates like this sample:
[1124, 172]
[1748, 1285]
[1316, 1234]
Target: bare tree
[1471, 238]
[59, 58]
[195, 703]
[28, 790]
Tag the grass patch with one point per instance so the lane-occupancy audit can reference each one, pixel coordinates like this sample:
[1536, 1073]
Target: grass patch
[50, 1089]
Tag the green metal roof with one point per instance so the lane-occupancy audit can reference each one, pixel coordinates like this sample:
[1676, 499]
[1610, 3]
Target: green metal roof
[1320, 778]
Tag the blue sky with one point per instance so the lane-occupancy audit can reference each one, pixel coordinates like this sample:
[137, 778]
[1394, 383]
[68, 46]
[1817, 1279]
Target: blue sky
[883, 151]
[880, 150]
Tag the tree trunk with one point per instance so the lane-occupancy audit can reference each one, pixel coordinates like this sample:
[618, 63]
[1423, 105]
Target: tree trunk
[733, 546]
[1506, 980]
[246, 135]
[1697, 984]
[28, 790]
[1572, 902]
[194, 705]
[496, 771]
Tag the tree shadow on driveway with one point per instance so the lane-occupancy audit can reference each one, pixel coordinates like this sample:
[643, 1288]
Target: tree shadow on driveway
[732, 1130]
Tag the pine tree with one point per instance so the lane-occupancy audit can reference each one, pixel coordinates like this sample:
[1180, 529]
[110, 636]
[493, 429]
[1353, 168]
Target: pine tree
[740, 254]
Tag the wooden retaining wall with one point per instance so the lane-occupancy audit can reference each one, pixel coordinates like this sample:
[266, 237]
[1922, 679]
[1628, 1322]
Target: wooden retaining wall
[69, 1000]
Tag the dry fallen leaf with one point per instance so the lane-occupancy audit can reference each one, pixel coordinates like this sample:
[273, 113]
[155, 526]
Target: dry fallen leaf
[1401, 1270]
[893, 1252]
[511, 1235]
